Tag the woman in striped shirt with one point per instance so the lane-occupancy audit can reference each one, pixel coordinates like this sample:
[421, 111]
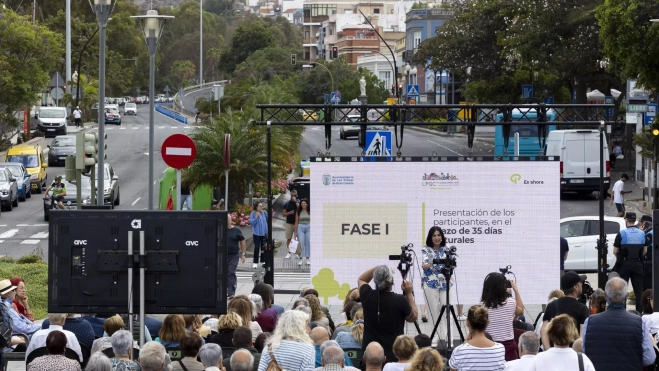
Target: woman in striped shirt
[502, 310]
[478, 353]
[290, 344]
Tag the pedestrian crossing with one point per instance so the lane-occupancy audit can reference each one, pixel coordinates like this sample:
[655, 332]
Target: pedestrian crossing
[142, 127]
[24, 234]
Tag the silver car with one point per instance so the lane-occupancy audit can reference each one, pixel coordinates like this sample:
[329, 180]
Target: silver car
[350, 130]
[8, 190]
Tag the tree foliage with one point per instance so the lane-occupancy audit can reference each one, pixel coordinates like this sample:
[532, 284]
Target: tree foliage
[246, 40]
[630, 40]
[182, 71]
[29, 54]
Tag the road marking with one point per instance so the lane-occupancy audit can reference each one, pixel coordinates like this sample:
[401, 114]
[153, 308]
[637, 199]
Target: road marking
[134, 202]
[9, 234]
[2, 241]
[31, 225]
[108, 129]
[178, 151]
[161, 127]
[164, 171]
[3, 225]
[134, 128]
[30, 242]
[445, 147]
[146, 153]
[122, 128]
[154, 183]
[40, 235]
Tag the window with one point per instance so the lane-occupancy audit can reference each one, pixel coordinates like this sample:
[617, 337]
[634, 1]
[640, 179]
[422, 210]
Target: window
[331, 31]
[306, 35]
[385, 76]
[360, 35]
[417, 39]
[573, 228]
[376, 11]
[320, 10]
[392, 11]
[609, 227]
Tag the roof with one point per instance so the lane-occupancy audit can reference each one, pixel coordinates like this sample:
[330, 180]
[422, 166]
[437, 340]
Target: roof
[291, 11]
[23, 148]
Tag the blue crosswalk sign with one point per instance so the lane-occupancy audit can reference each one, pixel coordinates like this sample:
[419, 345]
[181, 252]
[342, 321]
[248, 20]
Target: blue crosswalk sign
[527, 91]
[412, 90]
[378, 143]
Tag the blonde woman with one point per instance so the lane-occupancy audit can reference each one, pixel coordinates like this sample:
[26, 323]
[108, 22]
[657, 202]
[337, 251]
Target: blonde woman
[404, 349]
[244, 307]
[290, 344]
[317, 315]
[562, 332]
[426, 359]
[226, 325]
[353, 338]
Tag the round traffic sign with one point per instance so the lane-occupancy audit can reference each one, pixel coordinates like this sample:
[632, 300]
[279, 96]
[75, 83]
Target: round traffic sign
[57, 93]
[178, 151]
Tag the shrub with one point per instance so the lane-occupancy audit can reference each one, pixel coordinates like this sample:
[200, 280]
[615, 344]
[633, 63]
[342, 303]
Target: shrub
[35, 275]
[38, 133]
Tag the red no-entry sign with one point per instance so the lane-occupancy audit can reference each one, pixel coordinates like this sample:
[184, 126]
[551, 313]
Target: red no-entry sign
[178, 151]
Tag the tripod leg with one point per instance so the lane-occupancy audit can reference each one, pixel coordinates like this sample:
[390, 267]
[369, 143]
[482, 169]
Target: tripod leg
[439, 319]
[457, 324]
[418, 329]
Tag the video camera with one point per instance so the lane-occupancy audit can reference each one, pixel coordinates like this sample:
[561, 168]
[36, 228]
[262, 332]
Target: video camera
[586, 292]
[509, 286]
[405, 259]
[449, 262]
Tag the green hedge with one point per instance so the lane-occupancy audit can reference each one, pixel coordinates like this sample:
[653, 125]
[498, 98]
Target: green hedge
[35, 274]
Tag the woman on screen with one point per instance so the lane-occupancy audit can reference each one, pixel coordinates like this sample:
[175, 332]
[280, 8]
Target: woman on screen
[434, 282]
[302, 230]
[502, 310]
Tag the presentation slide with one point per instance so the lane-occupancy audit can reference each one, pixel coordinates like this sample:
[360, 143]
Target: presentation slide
[496, 214]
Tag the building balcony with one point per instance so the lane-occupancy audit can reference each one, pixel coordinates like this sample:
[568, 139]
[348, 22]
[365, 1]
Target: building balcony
[346, 38]
[311, 23]
[423, 14]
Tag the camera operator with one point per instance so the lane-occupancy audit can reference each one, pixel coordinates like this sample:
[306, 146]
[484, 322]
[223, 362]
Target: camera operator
[571, 284]
[629, 247]
[501, 311]
[434, 282]
[385, 312]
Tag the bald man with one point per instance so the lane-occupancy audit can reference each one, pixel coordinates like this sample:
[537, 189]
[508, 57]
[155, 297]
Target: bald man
[242, 360]
[374, 357]
[319, 335]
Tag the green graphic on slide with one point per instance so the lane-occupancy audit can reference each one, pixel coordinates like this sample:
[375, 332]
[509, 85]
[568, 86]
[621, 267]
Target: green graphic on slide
[328, 287]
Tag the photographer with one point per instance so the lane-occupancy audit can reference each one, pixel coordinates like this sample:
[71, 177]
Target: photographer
[385, 312]
[502, 310]
[571, 284]
[434, 282]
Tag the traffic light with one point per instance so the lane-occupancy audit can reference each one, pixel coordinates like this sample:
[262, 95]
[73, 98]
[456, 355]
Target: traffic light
[393, 89]
[655, 129]
[335, 52]
[87, 151]
[400, 90]
[293, 56]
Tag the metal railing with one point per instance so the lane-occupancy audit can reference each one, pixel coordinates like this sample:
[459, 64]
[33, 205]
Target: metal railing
[178, 103]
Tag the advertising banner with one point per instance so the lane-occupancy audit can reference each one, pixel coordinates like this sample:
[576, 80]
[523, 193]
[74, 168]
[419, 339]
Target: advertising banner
[496, 213]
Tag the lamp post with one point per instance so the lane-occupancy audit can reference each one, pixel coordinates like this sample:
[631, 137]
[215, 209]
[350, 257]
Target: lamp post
[102, 8]
[201, 43]
[393, 55]
[409, 70]
[311, 64]
[152, 25]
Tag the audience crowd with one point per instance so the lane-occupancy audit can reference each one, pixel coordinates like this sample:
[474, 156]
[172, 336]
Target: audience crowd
[257, 335]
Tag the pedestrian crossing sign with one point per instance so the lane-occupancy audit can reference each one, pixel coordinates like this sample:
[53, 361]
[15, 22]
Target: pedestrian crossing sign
[412, 90]
[378, 143]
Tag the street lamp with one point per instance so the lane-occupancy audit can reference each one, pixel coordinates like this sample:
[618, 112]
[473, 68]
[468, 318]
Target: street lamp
[311, 64]
[152, 25]
[409, 70]
[103, 9]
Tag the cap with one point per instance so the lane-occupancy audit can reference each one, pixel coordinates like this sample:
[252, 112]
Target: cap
[6, 287]
[646, 218]
[630, 216]
[571, 278]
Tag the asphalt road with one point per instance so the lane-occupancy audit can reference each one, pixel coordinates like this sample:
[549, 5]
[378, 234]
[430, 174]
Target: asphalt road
[190, 98]
[23, 231]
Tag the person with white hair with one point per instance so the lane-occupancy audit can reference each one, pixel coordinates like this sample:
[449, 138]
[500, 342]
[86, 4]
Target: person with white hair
[290, 344]
[153, 357]
[529, 344]
[122, 346]
[242, 360]
[211, 356]
[266, 321]
[57, 320]
[332, 359]
[385, 312]
[99, 362]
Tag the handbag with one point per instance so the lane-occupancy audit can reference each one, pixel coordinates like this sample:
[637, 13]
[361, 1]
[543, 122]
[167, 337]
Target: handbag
[292, 247]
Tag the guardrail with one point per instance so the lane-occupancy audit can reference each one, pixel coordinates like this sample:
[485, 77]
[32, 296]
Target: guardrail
[178, 105]
[160, 108]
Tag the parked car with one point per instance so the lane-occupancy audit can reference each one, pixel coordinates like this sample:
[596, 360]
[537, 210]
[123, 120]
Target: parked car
[130, 109]
[70, 199]
[31, 156]
[8, 190]
[111, 194]
[61, 148]
[22, 178]
[350, 130]
[582, 233]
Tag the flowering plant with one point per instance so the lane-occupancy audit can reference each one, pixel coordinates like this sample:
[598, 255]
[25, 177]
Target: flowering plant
[240, 214]
[260, 189]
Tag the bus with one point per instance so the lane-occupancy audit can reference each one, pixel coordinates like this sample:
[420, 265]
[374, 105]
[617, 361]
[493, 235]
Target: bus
[529, 143]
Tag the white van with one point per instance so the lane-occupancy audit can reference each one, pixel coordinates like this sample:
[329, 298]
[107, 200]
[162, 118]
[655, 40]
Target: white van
[580, 165]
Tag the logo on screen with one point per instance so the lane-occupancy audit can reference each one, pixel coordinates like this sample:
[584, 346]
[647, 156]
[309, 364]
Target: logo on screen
[327, 179]
[439, 180]
[338, 179]
[515, 178]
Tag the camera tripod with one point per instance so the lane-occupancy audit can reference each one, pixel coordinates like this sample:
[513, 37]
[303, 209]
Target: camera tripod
[449, 311]
[404, 272]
